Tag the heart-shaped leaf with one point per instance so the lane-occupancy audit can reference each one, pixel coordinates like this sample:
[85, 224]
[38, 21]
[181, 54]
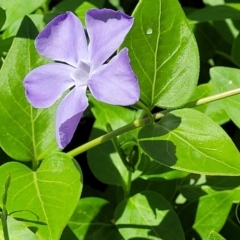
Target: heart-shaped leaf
[25, 133]
[44, 200]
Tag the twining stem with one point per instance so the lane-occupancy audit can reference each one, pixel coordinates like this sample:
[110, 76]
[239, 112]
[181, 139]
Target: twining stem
[146, 120]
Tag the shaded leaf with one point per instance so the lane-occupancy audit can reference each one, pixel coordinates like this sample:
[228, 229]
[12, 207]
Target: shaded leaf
[104, 160]
[188, 140]
[93, 219]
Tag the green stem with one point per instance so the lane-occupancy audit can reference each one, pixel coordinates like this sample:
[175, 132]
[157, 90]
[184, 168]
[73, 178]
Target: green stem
[146, 111]
[128, 186]
[225, 55]
[142, 122]
[35, 165]
[106, 137]
[4, 209]
[212, 98]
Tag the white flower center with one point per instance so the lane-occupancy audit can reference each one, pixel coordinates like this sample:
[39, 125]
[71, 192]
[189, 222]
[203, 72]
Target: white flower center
[81, 74]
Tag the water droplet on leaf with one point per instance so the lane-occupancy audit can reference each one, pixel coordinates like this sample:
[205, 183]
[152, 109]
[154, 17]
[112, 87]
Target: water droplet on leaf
[149, 31]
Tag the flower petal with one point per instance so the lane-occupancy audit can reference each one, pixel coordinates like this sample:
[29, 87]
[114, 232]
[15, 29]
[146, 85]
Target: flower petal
[115, 82]
[107, 30]
[63, 39]
[69, 114]
[45, 84]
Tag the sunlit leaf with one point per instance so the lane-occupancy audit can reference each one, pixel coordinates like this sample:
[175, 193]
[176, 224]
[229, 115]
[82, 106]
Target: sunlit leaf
[25, 133]
[163, 64]
[149, 216]
[43, 200]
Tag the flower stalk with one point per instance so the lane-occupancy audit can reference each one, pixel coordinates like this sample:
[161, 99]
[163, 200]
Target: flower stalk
[146, 120]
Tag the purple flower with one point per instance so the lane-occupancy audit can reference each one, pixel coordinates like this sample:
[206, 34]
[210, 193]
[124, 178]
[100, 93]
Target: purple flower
[80, 66]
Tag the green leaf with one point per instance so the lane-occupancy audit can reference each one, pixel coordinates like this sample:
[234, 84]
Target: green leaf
[152, 170]
[13, 29]
[216, 13]
[212, 212]
[103, 160]
[93, 219]
[224, 79]
[215, 236]
[17, 230]
[235, 50]
[25, 133]
[17, 8]
[206, 37]
[45, 199]
[154, 52]
[188, 140]
[203, 90]
[166, 189]
[217, 112]
[149, 216]
[82, 9]
[2, 17]
[213, 2]
[5, 44]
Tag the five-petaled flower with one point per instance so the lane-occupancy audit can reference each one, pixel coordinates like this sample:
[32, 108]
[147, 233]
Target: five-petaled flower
[80, 66]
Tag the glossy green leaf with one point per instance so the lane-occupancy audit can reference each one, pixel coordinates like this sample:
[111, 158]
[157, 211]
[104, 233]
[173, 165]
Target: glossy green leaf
[163, 63]
[17, 8]
[215, 236]
[149, 216]
[44, 200]
[25, 133]
[18, 230]
[93, 219]
[212, 213]
[103, 160]
[225, 79]
[188, 140]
